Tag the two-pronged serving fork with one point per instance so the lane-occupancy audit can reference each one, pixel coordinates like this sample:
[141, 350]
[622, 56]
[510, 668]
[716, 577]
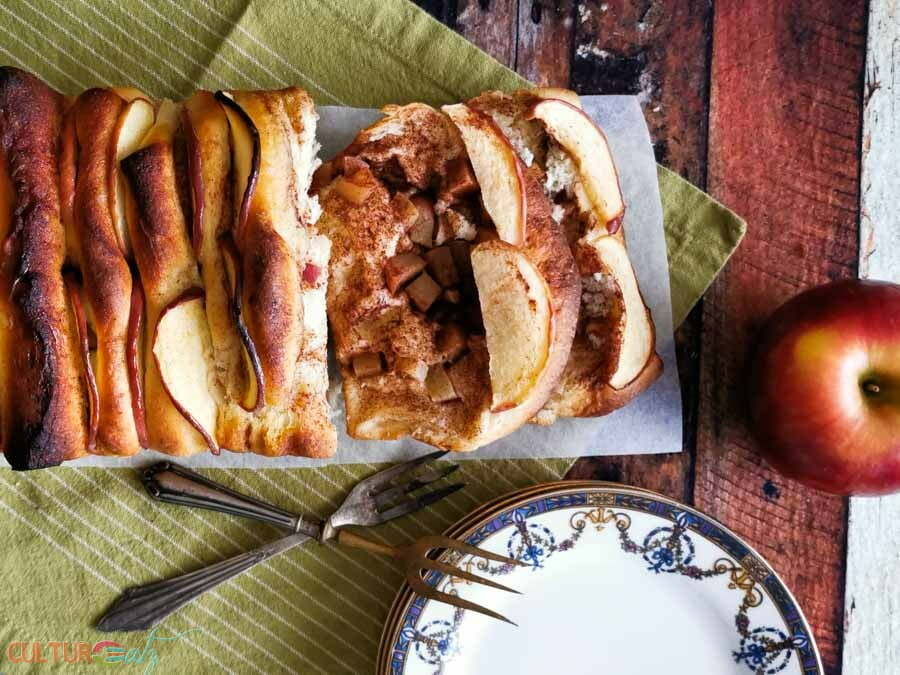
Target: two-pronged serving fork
[372, 501]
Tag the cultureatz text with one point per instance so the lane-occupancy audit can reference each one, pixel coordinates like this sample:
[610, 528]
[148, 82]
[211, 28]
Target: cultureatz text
[106, 652]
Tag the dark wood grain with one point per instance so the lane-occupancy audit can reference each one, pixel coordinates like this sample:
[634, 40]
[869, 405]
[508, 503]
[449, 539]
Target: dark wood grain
[783, 151]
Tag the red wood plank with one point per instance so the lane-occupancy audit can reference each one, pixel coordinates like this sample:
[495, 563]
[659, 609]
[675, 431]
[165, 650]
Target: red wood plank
[623, 47]
[784, 152]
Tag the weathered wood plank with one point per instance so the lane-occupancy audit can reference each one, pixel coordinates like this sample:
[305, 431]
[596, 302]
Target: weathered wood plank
[783, 151]
[492, 25]
[872, 609]
[624, 47]
[544, 48]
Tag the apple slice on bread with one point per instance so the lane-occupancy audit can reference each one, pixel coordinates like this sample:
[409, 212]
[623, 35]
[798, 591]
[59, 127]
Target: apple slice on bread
[182, 350]
[518, 321]
[497, 168]
[135, 120]
[586, 144]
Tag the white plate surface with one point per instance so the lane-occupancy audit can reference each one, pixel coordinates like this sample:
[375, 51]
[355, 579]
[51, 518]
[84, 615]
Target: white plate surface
[618, 582]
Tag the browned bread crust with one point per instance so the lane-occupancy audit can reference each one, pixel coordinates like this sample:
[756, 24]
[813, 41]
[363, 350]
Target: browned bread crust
[107, 279]
[42, 405]
[162, 250]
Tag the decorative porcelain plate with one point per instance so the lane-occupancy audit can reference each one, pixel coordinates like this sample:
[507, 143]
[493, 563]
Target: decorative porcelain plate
[618, 580]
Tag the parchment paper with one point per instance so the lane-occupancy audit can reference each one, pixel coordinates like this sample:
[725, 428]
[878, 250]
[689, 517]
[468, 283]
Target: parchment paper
[650, 424]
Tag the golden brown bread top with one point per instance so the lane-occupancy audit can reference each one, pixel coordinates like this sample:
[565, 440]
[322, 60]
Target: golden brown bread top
[43, 407]
[101, 264]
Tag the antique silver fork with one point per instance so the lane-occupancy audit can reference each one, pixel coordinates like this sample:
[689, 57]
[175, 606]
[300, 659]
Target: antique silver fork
[372, 501]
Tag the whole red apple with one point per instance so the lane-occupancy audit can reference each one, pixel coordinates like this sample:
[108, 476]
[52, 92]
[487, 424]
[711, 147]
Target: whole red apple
[825, 388]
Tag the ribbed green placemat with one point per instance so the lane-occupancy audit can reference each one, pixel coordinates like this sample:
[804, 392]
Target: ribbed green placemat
[76, 537]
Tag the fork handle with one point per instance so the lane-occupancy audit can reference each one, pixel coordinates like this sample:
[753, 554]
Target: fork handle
[347, 538]
[175, 484]
[142, 607]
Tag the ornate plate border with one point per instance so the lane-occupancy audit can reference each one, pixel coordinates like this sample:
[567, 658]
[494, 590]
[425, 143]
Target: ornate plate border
[563, 496]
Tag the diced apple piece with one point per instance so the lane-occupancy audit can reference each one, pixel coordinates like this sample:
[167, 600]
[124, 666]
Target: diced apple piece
[497, 169]
[442, 267]
[182, 348]
[401, 269]
[638, 336]
[351, 191]
[414, 369]
[515, 305]
[367, 365]
[73, 289]
[254, 389]
[423, 292]
[322, 176]
[422, 231]
[439, 386]
[245, 155]
[586, 144]
[133, 360]
[459, 180]
[452, 341]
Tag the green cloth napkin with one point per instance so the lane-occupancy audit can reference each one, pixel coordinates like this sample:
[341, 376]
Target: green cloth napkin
[76, 537]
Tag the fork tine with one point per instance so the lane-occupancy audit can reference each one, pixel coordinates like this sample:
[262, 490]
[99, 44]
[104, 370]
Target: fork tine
[417, 584]
[384, 498]
[438, 541]
[415, 503]
[385, 476]
[429, 564]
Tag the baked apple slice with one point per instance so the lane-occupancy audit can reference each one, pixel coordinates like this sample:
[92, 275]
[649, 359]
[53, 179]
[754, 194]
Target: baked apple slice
[497, 168]
[637, 335]
[135, 121]
[246, 150]
[515, 304]
[133, 359]
[251, 398]
[182, 348]
[586, 144]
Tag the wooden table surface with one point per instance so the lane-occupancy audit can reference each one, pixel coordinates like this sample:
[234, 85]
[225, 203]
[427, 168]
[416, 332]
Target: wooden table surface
[761, 103]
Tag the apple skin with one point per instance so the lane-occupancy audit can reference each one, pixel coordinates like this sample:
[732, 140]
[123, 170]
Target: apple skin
[825, 388]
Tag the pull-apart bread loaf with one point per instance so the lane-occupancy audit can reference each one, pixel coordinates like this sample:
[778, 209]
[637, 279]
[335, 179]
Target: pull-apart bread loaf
[162, 284]
[613, 355]
[454, 294]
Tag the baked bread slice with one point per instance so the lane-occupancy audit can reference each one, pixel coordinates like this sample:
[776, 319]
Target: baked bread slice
[43, 407]
[264, 266]
[613, 355]
[162, 283]
[454, 294]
